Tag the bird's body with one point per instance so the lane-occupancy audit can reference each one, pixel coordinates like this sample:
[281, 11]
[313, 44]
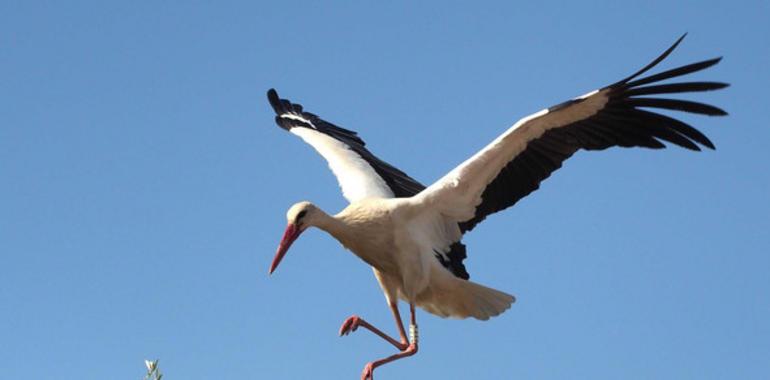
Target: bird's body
[364, 222]
[397, 238]
[411, 234]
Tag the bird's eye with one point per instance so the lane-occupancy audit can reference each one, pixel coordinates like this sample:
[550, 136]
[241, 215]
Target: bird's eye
[301, 214]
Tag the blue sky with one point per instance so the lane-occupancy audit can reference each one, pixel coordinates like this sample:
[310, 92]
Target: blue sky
[144, 188]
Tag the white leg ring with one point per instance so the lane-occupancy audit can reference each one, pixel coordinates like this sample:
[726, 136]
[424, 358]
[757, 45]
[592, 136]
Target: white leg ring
[414, 336]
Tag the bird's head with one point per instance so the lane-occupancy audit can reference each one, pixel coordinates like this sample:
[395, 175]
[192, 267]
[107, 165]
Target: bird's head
[299, 217]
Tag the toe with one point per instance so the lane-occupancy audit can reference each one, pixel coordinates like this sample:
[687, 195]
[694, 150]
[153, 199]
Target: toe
[368, 372]
[350, 324]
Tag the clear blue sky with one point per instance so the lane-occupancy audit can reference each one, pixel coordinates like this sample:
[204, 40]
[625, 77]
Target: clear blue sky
[144, 188]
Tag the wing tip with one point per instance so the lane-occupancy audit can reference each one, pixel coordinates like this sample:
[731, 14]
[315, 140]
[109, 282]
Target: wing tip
[275, 101]
[720, 85]
[719, 112]
[652, 64]
[680, 38]
[711, 62]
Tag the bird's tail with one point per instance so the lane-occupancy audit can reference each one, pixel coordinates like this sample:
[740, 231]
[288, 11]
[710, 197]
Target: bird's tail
[463, 299]
[484, 302]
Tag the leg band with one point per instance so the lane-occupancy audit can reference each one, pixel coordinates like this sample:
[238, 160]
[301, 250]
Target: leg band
[414, 336]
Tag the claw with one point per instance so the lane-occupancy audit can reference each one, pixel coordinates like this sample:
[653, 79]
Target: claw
[350, 325]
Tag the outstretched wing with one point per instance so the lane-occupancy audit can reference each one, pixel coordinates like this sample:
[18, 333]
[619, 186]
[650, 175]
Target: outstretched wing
[359, 173]
[515, 163]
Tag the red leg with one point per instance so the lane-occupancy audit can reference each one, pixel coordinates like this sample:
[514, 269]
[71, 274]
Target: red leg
[353, 323]
[411, 349]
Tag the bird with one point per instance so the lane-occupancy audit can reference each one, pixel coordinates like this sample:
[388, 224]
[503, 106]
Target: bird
[411, 234]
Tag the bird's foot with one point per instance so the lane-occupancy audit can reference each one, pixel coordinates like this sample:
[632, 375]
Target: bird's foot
[368, 372]
[350, 325]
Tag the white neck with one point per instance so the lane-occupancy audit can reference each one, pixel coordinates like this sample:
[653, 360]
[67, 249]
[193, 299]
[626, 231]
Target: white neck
[333, 226]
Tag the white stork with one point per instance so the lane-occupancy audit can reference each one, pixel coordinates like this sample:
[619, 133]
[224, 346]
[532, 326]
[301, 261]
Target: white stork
[411, 234]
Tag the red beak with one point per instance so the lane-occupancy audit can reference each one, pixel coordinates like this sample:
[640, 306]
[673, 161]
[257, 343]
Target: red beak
[292, 233]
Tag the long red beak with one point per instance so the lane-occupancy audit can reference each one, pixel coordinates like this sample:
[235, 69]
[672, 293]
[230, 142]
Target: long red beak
[292, 233]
